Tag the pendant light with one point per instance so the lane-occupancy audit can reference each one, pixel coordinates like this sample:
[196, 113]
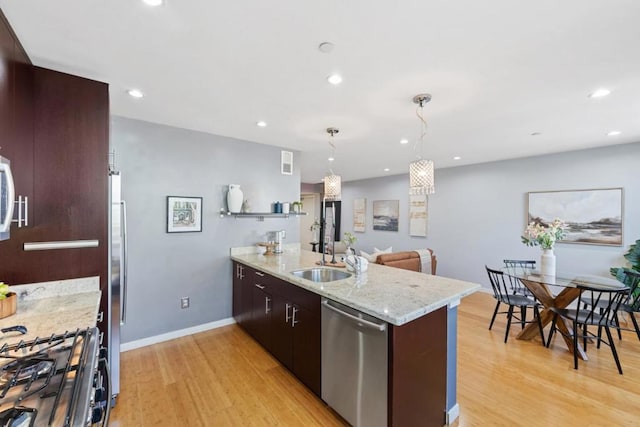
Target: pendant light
[421, 176]
[332, 182]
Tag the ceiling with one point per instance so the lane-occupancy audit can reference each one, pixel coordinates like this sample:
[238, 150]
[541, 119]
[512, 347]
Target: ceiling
[498, 71]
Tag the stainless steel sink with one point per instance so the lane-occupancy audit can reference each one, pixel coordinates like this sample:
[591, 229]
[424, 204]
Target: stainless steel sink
[321, 274]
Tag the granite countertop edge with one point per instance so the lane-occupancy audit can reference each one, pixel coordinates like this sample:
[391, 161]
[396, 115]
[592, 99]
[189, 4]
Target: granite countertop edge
[416, 294]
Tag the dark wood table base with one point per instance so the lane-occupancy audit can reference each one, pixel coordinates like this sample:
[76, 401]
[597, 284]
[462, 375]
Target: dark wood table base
[563, 299]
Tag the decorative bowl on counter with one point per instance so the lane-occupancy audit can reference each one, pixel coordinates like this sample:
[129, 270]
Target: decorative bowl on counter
[270, 247]
[8, 305]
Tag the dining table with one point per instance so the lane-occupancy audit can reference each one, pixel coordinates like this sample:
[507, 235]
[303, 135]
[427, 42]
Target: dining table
[557, 291]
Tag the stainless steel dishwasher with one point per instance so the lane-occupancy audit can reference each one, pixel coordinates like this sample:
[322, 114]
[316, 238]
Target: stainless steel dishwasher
[354, 364]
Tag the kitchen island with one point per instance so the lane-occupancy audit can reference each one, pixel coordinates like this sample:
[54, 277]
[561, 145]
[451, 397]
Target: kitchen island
[419, 308]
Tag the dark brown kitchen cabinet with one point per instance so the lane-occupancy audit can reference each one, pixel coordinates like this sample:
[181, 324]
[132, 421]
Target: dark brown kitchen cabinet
[260, 324]
[16, 117]
[242, 294]
[283, 318]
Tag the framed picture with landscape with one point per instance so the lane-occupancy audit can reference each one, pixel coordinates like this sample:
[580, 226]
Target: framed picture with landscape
[592, 216]
[385, 215]
[184, 214]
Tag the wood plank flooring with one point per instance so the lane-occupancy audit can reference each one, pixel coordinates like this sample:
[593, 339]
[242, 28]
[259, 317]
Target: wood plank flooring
[224, 378]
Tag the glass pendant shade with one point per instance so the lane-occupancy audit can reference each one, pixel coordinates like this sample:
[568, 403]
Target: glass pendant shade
[421, 177]
[332, 187]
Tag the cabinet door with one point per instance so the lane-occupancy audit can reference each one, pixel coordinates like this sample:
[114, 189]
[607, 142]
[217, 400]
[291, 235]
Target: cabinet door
[306, 347]
[237, 292]
[261, 316]
[282, 333]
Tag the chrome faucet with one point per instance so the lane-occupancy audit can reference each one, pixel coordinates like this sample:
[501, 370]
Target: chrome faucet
[356, 264]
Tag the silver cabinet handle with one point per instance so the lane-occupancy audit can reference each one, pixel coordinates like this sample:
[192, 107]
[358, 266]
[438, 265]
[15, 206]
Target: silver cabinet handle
[293, 317]
[259, 286]
[125, 264]
[19, 211]
[241, 268]
[23, 211]
[267, 309]
[286, 315]
[260, 273]
[381, 327]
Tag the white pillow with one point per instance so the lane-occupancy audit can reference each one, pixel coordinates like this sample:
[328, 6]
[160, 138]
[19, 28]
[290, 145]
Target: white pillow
[372, 257]
[383, 251]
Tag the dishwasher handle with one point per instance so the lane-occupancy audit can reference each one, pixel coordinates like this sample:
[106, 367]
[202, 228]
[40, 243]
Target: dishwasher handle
[380, 327]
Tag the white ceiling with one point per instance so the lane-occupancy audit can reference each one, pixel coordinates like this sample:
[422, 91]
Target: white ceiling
[498, 71]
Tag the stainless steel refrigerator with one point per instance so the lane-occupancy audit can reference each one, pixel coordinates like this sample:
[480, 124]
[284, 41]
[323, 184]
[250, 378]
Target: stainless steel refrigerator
[118, 277]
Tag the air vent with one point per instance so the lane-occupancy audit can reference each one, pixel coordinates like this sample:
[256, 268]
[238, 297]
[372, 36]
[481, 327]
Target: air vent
[286, 163]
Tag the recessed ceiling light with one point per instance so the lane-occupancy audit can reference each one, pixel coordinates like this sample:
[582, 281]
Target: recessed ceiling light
[331, 159]
[325, 47]
[334, 79]
[386, 169]
[261, 124]
[457, 158]
[614, 133]
[136, 93]
[404, 141]
[600, 93]
[153, 2]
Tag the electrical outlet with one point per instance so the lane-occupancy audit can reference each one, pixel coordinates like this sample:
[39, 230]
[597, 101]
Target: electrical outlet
[184, 302]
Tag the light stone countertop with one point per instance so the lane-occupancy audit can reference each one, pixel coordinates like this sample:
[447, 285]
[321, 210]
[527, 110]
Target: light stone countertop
[53, 308]
[391, 294]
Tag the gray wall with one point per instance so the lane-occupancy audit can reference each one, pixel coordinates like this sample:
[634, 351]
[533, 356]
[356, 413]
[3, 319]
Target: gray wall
[157, 161]
[478, 212]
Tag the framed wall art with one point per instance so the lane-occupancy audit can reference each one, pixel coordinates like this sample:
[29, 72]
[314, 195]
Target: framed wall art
[593, 216]
[184, 214]
[385, 215]
[418, 215]
[359, 215]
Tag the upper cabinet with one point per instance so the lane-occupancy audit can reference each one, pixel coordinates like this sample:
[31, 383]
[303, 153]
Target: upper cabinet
[54, 128]
[16, 118]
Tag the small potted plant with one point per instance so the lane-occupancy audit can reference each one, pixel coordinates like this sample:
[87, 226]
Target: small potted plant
[349, 239]
[296, 206]
[8, 301]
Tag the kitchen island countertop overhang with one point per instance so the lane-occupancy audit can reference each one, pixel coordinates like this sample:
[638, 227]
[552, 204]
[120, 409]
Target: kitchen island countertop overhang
[391, 294]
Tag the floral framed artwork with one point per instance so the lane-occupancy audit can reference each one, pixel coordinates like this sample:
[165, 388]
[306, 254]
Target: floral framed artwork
[184, 214]
[385, 215]
[593, 217]
[359, 215]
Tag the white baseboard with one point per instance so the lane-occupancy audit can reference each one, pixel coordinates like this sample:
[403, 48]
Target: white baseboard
[175, 334]
[453, 414]
[485, 290]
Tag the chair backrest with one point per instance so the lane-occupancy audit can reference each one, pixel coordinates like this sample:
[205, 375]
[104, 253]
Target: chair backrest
[632, 280]
[603, 303]
[520, 266]
[500, 287]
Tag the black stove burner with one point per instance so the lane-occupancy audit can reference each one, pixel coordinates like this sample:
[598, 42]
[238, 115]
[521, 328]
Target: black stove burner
[24, 369]
[18, 416]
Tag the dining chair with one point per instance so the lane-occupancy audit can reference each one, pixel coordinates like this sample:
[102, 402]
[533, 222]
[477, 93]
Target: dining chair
[503, 294]
[520, 266]
[600, 312]
[630, 304]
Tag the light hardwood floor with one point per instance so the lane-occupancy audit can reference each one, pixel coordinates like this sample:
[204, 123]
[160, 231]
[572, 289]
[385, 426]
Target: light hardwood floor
[223, 378]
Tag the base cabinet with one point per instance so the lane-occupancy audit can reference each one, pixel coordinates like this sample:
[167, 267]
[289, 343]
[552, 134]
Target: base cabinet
[283, 318]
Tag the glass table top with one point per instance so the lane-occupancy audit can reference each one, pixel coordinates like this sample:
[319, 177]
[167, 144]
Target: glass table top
[566, 279]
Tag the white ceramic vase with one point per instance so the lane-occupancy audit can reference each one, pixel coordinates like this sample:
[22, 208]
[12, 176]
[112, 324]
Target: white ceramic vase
[234, 198]
[548, 263]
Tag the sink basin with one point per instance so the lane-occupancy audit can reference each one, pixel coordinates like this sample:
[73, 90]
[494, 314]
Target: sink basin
[321, 274]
